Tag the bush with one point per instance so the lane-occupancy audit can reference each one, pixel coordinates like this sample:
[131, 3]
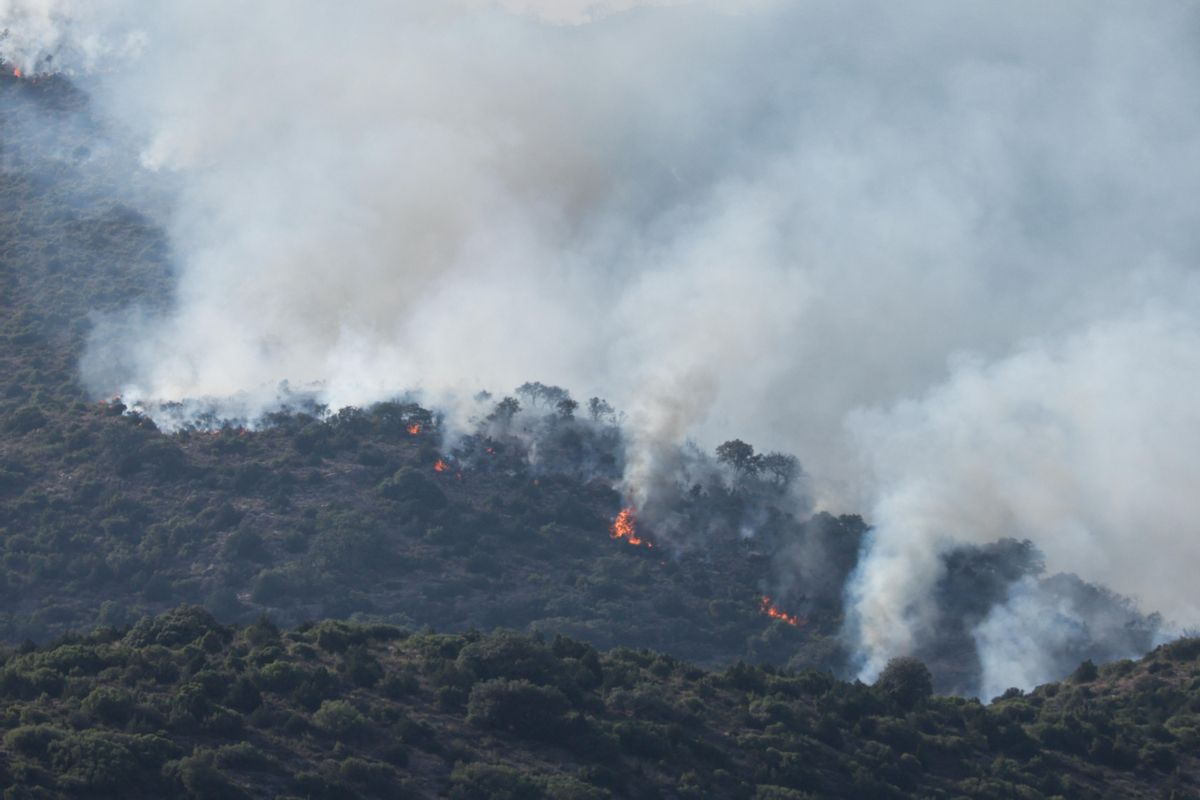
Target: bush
[509, 655]
[905, 681]
[340, 719]
[175, 628]
[492, 782]
[280, 676]
[31, 740]
[1085, 672]
[372, 775]
[412, 485]
[105, 760]
[203, 781]
[536, 712]
[110, 706]
[244, 756]
[25, 419]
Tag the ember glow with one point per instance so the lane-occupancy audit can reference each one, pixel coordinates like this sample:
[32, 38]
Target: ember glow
[767, 607]
[625, 527]
[17, 72]
[439, 466]
[414, 429]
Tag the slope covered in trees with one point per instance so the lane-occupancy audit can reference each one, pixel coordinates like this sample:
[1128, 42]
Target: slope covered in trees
[381, 514]
[181, 704]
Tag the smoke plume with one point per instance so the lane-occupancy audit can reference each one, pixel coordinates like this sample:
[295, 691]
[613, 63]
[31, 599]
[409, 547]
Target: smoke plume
[944, 253]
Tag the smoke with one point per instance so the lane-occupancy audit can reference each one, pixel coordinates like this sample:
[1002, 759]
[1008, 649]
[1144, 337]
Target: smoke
[1086, 446]
[943, 253]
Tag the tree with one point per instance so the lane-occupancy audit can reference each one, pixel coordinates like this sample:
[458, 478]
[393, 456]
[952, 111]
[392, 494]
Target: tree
[541, 394]
[599, 409]
[740, 456]
[567, 407]
[782, 468]
[505, 410]
[906, 681]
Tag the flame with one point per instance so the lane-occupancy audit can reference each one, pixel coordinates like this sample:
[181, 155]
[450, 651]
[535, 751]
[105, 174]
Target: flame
[17, 72]
[767, 607]
[414, 428]
[625, 527]
[439, 466]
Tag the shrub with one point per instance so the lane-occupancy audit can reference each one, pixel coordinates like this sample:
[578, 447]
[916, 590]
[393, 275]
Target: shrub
[905, 681]
[31, 740]
[280, 676]
[25, 419]
[362, 668]
[175, 628]
[409, 484]
[244, 756]
[342, 720]
[399, 684]
[509, 655]
[203, 781]
[375, 777]
[1085, 672]
[492, 782]
[536, 712]
[110, 706]
[243, 696]
[98, 759]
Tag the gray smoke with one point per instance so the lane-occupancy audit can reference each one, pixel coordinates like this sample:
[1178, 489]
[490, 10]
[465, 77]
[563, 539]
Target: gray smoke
[944, 253]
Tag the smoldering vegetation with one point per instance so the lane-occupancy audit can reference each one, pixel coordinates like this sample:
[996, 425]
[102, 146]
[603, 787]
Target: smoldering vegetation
[737, 505]
[1028, 301]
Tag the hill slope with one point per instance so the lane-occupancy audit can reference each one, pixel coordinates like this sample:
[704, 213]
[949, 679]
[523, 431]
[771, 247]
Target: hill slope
[180, 703]
[104, 518]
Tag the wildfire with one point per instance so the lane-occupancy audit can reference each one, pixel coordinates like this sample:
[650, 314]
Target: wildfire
[769, 608]
[625, 527]
[414, 429]
[440, 466]
[17, 72]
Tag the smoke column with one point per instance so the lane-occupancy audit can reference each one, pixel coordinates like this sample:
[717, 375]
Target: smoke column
[945, 253]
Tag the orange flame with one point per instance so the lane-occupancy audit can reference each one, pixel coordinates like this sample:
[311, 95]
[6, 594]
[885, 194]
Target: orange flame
[439, 466]
[414, 428]
[767, 607]
[625, 527]
[17, 72]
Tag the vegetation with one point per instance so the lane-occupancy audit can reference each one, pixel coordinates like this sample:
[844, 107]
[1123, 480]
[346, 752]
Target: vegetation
[104, 518]
[199, 558]
[180, 705]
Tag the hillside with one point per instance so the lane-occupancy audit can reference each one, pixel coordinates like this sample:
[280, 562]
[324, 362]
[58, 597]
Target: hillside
[336, 710]
[307, 514]
[105, 518]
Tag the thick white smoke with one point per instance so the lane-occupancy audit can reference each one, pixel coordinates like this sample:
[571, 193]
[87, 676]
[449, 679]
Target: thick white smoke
[944, 252]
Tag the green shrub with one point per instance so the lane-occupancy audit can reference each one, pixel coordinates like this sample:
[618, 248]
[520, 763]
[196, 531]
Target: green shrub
[535, 712]
[905, 681]
[244, 756]
[340, 719]
[512, 656]
[25, 419]
[32, 740]
[493, 782]
[110, 706]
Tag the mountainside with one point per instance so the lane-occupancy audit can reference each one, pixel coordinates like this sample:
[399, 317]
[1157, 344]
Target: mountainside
[180, 704]
[386, 513]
